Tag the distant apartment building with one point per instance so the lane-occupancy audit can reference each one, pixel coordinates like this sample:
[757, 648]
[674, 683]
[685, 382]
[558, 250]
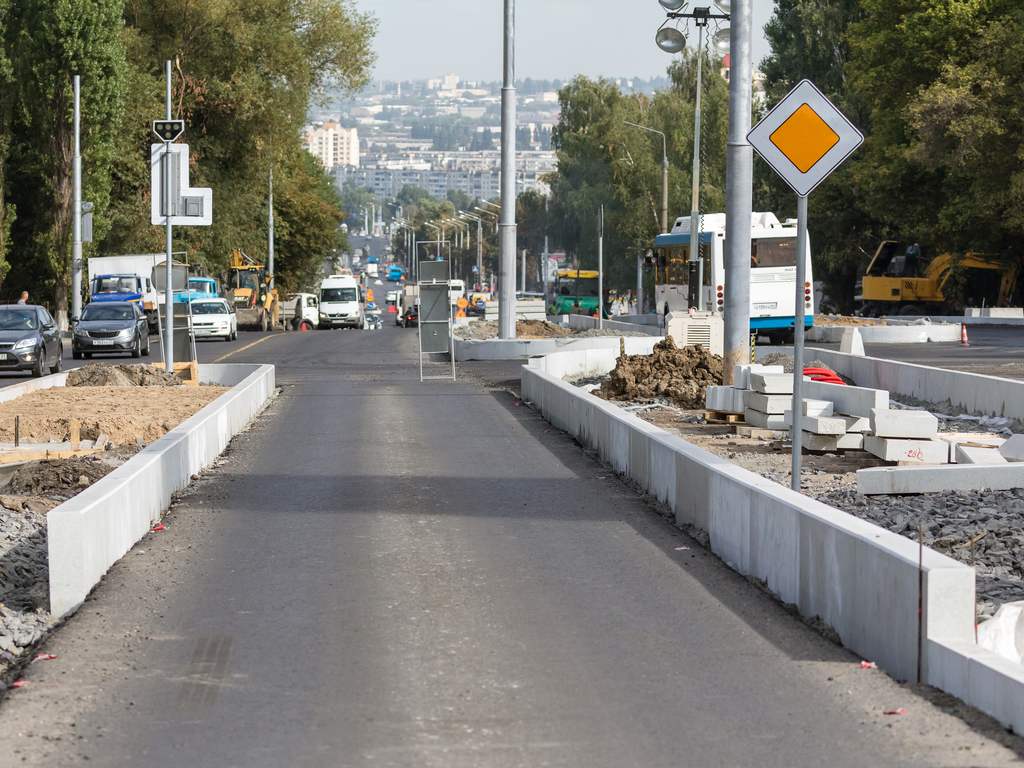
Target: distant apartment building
[476, 179]
[332, 144]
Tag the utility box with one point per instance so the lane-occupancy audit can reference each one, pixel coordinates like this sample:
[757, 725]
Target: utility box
[702, 329]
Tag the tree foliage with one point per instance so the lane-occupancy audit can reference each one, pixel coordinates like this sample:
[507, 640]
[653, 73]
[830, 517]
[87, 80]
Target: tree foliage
[604, 161]
[244, 72]
[934, 85]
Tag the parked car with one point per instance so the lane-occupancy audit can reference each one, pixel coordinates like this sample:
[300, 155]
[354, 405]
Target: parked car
[111, 326]
[29, 340]
[214, 318]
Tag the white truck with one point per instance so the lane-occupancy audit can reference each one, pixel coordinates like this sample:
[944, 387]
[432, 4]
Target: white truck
[126, 278]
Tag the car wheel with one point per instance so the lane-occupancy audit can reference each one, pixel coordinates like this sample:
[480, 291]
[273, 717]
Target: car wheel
[145, 349]
[37, 368]
[87, 355]
[59, 362]
[76, 355]
[137, 349]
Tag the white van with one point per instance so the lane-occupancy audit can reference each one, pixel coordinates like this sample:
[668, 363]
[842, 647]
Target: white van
[339, 302]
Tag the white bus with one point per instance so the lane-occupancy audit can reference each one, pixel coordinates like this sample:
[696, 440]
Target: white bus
[772, 272]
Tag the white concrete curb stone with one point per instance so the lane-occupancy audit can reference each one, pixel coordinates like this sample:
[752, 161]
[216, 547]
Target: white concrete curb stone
[855, 577]
[91, 531]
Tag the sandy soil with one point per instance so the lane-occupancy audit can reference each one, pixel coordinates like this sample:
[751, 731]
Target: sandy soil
[127, 415]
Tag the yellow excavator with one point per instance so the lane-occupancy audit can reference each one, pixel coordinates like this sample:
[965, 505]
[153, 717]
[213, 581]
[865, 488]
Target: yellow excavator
[256, 302]
[898, 281]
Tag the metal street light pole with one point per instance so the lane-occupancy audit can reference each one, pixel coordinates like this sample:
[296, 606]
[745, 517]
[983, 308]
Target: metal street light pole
[270, 228]
[479, 243]
[695, 175]
[507, 268]
[76, 246]
[739, 164]
[664, 171]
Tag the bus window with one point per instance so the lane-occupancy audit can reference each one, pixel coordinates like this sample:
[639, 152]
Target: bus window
[773, 252]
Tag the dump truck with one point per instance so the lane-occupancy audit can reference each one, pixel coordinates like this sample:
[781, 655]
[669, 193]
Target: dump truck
[900, 281]
[249, 289]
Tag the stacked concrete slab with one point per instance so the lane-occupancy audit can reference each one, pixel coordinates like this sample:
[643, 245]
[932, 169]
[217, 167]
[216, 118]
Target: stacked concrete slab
[734, 399]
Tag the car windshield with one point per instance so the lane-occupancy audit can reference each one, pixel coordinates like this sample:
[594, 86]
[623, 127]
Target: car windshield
[209, 308]
[18, 320]
[115, 285]
[101, 312]
[338, 294]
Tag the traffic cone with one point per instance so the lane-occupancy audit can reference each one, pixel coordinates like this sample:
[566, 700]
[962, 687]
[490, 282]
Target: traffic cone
[963, 335]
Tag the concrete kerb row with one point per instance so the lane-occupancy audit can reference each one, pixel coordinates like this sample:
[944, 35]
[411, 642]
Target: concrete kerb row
[888, 334]
[972, 393]
[520, 349]
[91, 531]
[859, 579]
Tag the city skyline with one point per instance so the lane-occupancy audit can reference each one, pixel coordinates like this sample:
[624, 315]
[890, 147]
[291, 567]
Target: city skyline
[414, 39]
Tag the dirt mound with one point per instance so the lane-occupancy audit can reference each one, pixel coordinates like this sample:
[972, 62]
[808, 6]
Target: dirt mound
[120, 376]
[525, 329]
[679, 375]
[64, 477]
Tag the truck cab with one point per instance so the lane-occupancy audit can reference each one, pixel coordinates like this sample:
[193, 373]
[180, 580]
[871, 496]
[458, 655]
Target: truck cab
[198, 288]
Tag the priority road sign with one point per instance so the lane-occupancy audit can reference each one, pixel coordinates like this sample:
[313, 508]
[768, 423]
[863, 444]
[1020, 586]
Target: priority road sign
[168, 130]
[804, 138]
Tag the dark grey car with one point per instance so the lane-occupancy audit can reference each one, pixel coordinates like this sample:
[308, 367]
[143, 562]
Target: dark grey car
[29, 340]
[111, 326]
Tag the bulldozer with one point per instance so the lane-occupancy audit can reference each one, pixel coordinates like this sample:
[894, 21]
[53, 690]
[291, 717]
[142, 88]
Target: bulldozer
[256, 302]
[898, 281]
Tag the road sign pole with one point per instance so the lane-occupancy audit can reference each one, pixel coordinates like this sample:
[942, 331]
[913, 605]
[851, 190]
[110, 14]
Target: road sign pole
[798, 336]
[168, 270]
[76, 246]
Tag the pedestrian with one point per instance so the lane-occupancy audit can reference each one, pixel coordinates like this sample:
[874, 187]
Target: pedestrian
[24, 298]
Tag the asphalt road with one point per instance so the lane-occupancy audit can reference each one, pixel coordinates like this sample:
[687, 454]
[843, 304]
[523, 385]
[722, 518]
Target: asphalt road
[388, 573]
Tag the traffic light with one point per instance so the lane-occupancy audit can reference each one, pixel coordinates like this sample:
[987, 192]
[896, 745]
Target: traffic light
[168, 130]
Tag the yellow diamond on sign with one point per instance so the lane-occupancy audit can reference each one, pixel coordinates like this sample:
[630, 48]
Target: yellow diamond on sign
[804, 138]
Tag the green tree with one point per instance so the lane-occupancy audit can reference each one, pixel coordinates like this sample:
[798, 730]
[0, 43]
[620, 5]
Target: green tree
[810, 39]
[6, 116]
[602, 161]
[55, 39]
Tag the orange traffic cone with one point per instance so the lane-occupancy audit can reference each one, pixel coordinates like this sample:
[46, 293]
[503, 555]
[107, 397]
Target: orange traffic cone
[963, 335]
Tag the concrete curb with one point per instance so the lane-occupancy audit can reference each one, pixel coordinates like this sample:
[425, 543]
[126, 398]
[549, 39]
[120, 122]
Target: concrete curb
[972, 393]
[859, 579]
[91, 531]
[521, 349]
[887, 334]
[586, 322]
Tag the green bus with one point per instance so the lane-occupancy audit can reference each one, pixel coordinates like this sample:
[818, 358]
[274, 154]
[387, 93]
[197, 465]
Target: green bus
[575, 292]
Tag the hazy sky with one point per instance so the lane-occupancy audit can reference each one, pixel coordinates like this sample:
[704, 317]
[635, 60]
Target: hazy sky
[419, 39]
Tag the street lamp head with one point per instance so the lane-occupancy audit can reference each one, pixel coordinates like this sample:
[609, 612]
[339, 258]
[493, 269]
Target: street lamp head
[722, 41]
[672, 5]
[670, 40]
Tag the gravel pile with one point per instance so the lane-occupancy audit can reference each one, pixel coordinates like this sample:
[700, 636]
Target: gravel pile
[677, 375]
[33, 490]
[980, 528]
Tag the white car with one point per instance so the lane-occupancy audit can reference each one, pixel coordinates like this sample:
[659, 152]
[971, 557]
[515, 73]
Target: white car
[214, 319]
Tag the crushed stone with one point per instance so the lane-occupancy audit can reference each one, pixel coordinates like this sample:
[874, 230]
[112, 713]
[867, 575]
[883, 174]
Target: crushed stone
[679, 375]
